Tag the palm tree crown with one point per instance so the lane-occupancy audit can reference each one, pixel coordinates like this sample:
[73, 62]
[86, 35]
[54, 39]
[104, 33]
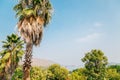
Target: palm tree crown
[10, 56]
[33, 15]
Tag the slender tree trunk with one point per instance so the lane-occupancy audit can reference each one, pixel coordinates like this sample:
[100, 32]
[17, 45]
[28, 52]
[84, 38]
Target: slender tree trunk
[27, 62]
[7, 70]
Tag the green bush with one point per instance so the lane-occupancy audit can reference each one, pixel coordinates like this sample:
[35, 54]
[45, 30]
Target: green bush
[57, 72]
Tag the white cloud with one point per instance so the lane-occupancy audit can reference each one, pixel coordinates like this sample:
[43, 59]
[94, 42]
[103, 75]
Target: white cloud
[98, 24]
[89, 38]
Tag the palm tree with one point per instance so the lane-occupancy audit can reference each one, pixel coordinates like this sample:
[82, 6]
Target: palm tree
[33, 16]
[10, 56]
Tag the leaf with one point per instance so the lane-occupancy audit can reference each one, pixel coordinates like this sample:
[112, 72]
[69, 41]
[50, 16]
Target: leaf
[4, 42]
[2, 52]
[28, 12]
[6, 56]
[2, 66]
[20, 53]
[19, 14]
[6, 45]
[18, 7]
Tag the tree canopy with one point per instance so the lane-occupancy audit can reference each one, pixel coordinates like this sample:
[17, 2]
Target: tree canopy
[95, 64]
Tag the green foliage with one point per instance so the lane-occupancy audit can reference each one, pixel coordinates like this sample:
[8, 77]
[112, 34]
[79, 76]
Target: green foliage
[18, 74]
[10, 55]
[42, 8]
[95, 69]
[78, 74]
[95, 64]
[117, 67]
[80, 71]
[54, 72]
[12, 47]
[38, 73]
[57, 72]
[112, 74]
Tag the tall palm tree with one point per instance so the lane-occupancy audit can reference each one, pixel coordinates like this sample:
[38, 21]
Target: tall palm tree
[10, 55]
[33, 16]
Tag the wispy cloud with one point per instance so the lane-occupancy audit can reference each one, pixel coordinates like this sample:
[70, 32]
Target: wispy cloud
[98, 24]
[89, 38]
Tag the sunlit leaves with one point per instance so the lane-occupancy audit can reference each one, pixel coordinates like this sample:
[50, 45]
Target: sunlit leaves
[112, 74]
[38, 73]
[59, 73]
[18, 74]
[6, 56]
[36, 8]
[11, 54]
[95, 63]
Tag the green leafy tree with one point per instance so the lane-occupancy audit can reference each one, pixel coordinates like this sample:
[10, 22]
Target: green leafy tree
[38, 73]
[112, 74]
[80, 71]
[78, 74]
[54, 72]
[18, 74]
[117, 67]
[95, 64]
[10, 56]
[74, 76]
[57, 72]
[33, 16]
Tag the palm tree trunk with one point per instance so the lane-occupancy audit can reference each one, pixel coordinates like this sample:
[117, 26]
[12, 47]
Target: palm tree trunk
[27, 62]
[8, 75]
[2, 75]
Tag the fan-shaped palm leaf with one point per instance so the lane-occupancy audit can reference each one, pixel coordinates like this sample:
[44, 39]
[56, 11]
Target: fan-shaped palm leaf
[10, 55]
[33, 16]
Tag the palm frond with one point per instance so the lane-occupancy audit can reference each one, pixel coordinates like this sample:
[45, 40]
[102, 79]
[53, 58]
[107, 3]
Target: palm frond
[28, 12]
[33, 16]
[10, 55]
[18, 7]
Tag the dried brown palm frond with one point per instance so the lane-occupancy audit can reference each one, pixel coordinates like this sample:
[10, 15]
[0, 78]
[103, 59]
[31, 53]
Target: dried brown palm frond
[31, 29]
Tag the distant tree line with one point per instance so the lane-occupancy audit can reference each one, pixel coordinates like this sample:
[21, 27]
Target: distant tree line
[95, 65]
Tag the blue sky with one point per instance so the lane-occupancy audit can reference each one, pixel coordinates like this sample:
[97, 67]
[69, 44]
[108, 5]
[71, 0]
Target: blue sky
[77, 26]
